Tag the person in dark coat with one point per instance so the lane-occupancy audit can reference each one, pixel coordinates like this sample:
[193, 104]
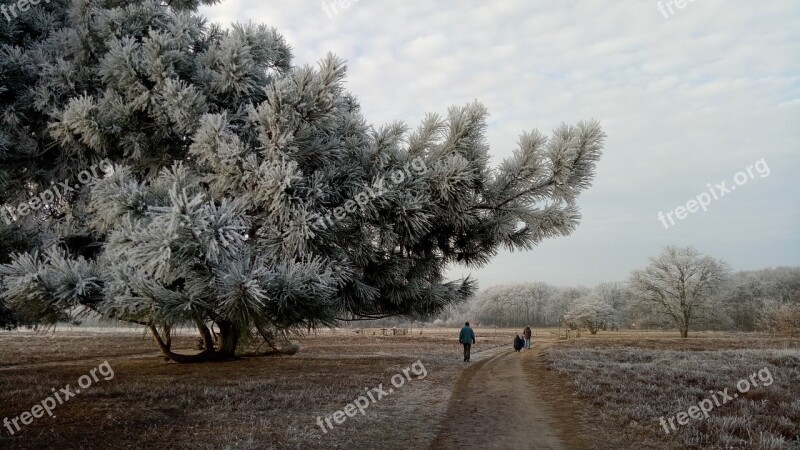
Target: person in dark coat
[466, 338]
[526, 333]
[518, 342]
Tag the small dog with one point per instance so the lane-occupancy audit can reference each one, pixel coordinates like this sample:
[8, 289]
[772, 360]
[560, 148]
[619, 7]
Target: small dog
[518, 343]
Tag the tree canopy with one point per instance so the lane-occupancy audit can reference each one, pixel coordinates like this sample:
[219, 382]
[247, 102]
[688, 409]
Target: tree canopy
[223, 157]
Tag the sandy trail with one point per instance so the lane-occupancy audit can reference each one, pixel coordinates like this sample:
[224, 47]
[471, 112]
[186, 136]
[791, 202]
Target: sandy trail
[509, 401]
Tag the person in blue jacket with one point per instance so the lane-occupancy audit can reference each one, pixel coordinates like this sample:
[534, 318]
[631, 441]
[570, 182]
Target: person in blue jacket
[466, 338]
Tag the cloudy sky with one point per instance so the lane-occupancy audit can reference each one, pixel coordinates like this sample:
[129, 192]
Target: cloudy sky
[688, 98]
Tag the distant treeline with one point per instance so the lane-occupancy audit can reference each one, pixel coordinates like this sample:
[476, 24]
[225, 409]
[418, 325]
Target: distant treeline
[748, 301]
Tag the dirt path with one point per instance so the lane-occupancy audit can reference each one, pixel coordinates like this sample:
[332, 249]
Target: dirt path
[511, 400]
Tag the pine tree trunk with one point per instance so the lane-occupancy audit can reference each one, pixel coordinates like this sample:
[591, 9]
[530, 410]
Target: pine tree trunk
[205, 334]
[229, 336]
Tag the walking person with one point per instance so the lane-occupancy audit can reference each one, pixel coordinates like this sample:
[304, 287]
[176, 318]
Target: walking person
[466, 338]
[527, 333]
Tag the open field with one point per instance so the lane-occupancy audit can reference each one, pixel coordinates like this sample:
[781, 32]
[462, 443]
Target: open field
[269, 402]
[607, 392]
[630, 385]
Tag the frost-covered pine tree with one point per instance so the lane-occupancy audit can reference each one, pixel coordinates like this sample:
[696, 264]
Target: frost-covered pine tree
[225, 157]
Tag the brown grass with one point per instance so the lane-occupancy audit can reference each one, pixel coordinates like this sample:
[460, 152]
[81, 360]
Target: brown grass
[268, 402]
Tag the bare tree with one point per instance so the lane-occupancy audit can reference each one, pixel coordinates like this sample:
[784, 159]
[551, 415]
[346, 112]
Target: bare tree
[591, 312]
[679, 281]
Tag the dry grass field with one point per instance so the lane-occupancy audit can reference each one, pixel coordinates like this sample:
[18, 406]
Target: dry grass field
[630, 384]
[615, 384]
[266, 402]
